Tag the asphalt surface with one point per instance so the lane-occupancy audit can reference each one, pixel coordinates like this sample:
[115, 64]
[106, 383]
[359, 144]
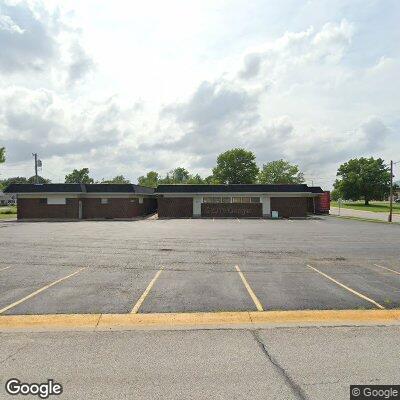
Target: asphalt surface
[280, 363]
[197, 260]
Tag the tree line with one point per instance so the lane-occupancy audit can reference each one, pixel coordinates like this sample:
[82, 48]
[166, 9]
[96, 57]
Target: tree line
[357, 179]
[232, 166]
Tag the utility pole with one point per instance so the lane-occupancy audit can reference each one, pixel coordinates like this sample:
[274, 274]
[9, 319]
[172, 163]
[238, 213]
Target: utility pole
[391, 191]
[36, 168]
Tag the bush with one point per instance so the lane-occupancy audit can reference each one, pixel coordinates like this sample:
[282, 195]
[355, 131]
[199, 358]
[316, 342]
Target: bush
[8, 210]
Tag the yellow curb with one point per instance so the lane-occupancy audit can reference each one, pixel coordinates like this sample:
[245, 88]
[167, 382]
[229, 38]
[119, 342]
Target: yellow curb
[249, 320]
[49, 322]
[326, 317]
[121, 321]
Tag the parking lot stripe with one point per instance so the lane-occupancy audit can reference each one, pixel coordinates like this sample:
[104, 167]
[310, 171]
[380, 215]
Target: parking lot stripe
[40, 290]
[250, 290]
[388, 269]
[238, 220]
[347, 288]
[136, 307]
[3, 269]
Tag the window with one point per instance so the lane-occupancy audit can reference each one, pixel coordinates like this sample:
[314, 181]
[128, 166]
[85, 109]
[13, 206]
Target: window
[56, 200]
[216, 199]
[245, 199]
[226, 199]
[255, 200]
[104, 201]
[236, 199]
[207, 199]
[43, 201]
[69, 202]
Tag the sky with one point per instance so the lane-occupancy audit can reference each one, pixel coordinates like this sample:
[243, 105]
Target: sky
[125, 87]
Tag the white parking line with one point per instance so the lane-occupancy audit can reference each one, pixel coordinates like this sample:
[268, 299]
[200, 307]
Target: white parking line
[250, 290]
[238, 220]
[138, 304]
[387, 269]
[3, 269]
[347, 288]
[40, 290]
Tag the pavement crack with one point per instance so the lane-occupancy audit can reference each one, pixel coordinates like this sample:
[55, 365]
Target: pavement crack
[97, 323]
[3, 361]
[296, 389]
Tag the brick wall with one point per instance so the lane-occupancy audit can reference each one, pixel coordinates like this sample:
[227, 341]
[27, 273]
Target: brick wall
[234, 210]
[33, 208]
[117, 208]
[91, 208]
[290, 206]
[175, 207]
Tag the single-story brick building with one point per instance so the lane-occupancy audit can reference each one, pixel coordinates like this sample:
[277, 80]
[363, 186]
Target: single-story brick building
[258, 201]
[125, 201]
[82, 201]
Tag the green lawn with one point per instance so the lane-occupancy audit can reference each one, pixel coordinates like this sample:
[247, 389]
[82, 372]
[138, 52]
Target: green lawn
[8, 212]
[375, 206]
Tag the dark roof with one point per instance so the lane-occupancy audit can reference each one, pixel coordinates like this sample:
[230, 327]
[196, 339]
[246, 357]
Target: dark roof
[77, 188]
[232, 188]
[117, 188]
[46, 187]
[315, 189]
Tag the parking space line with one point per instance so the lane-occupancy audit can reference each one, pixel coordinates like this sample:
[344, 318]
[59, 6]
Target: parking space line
[136, 307]
[347, 288]
[3, 269]
[238, 220]
[250, 290]
[388, 269]
[36, 292]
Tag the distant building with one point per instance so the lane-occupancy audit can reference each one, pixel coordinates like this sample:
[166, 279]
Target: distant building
[7, 199]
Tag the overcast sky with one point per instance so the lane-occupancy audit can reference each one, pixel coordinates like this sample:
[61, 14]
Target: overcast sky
[124, 87]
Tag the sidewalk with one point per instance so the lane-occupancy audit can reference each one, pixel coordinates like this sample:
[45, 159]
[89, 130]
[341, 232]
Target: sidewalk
[348, 212]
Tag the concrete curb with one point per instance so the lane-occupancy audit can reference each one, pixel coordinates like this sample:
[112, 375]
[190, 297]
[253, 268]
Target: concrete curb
[170, 321]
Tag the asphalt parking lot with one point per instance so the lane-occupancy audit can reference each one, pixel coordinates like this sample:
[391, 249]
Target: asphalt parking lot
[164, 266]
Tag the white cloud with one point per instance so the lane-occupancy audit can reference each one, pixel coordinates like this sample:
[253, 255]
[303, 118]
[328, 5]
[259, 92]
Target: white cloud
[34, 40]
[160, 95]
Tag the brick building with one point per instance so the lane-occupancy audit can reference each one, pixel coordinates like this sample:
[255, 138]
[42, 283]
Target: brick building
[258, 201]
[114, 201]
[82, 201]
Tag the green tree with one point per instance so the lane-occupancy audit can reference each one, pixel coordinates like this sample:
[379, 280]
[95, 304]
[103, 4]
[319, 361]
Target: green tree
[363, 178]
[79, 176]
[179, 175]
[17, 179]
[40, 180]
[335, 195]
[195, 180]
[280, 171]
[117, 179]
[2, 155]
[211, 180]
[150, 180]
[236, 166]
